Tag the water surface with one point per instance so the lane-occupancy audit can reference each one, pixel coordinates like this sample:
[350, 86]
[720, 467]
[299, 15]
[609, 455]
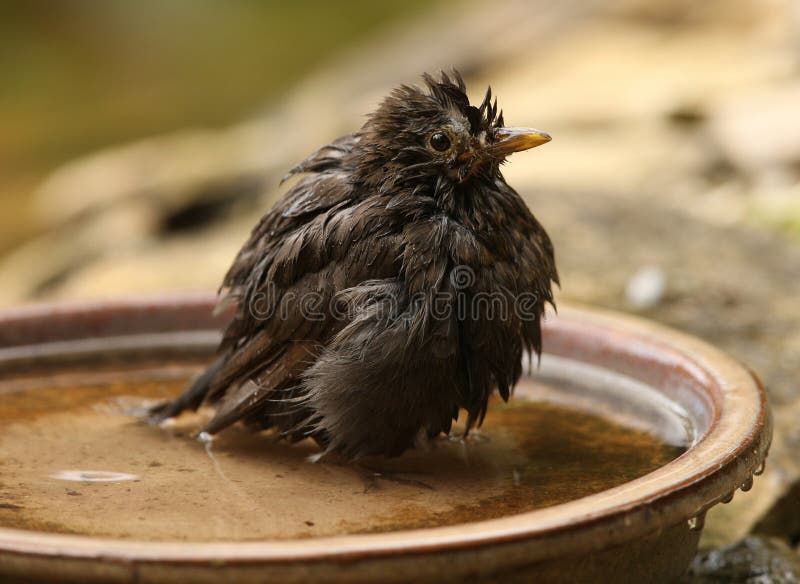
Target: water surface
[75, 460]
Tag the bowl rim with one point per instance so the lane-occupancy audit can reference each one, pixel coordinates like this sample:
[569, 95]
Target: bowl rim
[727, 456]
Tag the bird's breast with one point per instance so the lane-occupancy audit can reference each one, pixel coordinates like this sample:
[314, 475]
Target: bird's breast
[444, 255]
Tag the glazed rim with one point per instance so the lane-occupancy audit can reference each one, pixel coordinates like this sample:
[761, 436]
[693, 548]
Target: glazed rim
[730, 409]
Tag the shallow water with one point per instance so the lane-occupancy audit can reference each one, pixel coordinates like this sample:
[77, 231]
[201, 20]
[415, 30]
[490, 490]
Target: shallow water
[75, 460]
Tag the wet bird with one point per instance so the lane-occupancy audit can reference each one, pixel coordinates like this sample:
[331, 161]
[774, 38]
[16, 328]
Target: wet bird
[396, 284]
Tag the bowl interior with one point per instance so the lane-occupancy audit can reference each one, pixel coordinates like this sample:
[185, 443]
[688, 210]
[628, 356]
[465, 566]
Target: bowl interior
[85, 462]
[609, 389]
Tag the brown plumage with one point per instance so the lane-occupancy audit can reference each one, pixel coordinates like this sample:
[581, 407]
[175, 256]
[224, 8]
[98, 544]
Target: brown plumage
[397, 283]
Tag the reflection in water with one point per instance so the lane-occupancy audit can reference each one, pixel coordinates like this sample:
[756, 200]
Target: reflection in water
[93, 476]
[167, 484]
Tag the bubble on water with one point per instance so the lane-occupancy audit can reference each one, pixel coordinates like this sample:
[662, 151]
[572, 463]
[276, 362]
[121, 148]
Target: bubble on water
[94, 476]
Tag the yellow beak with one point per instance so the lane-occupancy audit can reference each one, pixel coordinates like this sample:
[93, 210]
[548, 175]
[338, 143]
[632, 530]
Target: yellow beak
[510, 140]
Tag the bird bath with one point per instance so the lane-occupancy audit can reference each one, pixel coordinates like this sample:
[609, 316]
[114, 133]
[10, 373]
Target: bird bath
[601, 467]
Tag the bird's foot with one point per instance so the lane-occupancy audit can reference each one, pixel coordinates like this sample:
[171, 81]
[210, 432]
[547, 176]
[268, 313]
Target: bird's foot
[157, 414]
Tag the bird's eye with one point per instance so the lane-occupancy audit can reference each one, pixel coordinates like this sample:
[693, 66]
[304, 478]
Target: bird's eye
[439, 141]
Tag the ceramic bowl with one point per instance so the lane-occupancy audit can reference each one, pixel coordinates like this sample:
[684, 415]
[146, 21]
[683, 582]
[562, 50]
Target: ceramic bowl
[645, 530]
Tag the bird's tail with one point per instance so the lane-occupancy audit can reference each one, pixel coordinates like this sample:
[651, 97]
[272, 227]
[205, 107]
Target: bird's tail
[189, 399]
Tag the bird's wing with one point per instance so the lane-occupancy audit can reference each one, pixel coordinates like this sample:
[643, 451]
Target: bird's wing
[325, 187]
[319, 240]
[534, 257]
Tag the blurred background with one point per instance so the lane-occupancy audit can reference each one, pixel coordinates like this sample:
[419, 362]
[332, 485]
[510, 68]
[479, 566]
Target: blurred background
[140, 142]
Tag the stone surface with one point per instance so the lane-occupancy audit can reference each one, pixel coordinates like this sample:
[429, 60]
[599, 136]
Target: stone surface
[755, 560]
[759, 131]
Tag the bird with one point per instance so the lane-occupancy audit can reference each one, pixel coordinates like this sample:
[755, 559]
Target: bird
[398, 283]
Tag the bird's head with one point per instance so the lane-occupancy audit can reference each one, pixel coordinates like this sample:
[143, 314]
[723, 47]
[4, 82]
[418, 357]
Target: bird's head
[434, 135]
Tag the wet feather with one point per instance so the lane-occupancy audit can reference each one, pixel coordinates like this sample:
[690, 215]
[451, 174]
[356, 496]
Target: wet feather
[375, 231]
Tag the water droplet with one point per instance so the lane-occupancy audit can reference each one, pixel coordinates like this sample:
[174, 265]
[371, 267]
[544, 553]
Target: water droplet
[760, 470]
[747, 485]
[94, 476]
[205, 437]
[728, 498]
[697, 523]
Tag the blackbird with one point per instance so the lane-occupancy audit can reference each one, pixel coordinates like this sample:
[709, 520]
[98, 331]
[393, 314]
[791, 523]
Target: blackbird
[398, 282]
